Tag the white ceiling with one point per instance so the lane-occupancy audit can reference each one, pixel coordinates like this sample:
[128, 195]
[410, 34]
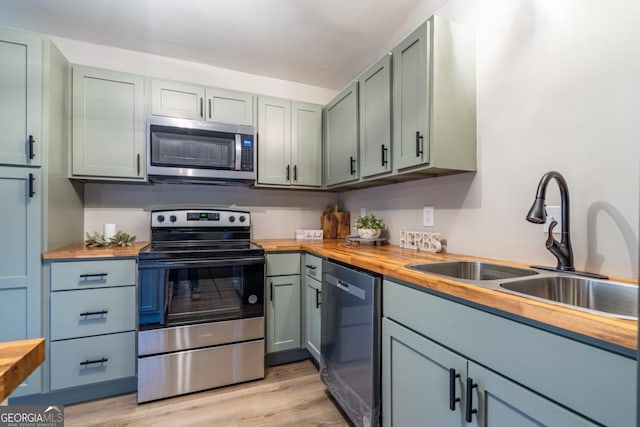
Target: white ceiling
[323, 43]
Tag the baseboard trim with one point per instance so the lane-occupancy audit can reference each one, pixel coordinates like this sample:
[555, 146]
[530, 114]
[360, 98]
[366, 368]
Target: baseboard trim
[79, 394]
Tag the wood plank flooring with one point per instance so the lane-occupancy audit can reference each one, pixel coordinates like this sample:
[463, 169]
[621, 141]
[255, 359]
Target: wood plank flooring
[290, 395]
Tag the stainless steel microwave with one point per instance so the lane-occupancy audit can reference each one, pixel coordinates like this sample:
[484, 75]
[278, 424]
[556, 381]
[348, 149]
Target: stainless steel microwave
[180, 150]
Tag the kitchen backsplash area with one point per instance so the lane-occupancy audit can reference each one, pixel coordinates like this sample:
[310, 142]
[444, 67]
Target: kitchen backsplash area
[275, 213]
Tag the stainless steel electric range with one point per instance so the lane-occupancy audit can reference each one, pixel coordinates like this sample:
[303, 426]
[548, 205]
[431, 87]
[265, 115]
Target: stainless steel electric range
[200, 302]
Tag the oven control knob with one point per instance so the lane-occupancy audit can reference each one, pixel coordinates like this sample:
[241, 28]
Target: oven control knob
[242, 218]
[173, 218]
[232, 218]
[160, 218]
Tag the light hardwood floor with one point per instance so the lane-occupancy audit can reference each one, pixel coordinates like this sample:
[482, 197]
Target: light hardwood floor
[290, 395]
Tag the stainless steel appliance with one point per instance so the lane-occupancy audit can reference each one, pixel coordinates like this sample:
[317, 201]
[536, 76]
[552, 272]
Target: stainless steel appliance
[200, 297]
[350, 340]
[180, 150]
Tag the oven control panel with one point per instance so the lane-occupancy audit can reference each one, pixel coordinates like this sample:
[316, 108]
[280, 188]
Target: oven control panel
[200, 218]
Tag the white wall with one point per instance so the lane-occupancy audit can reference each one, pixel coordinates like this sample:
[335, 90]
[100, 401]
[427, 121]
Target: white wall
[275, 213]
[128, 61]
[557, 89]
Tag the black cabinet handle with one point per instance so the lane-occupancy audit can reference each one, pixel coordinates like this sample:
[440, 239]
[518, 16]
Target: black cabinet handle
[209, 108]
[295, 172]
[318, 292]
[352, 163]
[32, 180]
[94, 313]
[452, 389]
[270, 291]
[418, 143]
[311, 267]
[288, 170]
[138, 163]
[201, 108]
[92, 362]
[32, 140]
[384, 155]
[469, 411]
[99, 276]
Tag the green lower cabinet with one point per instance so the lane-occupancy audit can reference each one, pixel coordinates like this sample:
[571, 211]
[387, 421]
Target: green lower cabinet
[425, 384]
[283, 313]
[313, 299]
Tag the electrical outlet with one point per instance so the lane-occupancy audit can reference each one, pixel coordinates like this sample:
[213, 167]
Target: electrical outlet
[553, 214]
[427, 216]
[363, 211]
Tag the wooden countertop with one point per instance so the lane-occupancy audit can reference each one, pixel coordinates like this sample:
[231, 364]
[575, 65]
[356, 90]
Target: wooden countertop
[390, 261]
[80, 251]
[18, 359]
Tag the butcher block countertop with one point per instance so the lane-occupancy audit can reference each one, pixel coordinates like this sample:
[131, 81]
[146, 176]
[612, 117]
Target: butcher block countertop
[390, 261]
[18, 359]
[80, 251]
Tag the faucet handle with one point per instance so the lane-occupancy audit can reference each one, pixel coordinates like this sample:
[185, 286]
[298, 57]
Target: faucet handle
[550, 239]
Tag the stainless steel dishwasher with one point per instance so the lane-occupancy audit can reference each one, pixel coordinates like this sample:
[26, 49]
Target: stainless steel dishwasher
[350, 340]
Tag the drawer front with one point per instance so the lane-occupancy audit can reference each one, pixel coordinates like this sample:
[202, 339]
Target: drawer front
[88, 312]
[313, 266]
[283, 264]
[113, 357]
[92, 274]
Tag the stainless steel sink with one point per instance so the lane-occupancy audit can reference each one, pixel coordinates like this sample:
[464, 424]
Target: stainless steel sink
[604, 297]
[469, 270]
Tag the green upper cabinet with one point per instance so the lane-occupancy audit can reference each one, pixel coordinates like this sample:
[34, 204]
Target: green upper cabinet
[289, 143]
[108, 125]
[341, 137]
[434, 99]
[189, 101]
[20, 98]
[375, 118]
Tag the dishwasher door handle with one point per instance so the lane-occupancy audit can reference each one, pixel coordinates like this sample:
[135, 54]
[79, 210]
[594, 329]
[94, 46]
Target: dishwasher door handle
[351, 289]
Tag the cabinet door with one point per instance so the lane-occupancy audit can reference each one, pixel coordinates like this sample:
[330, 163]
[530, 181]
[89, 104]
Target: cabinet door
[108, 124]
[20, 98]
[312, 297]
[502, 403]
[176, 99]
[341, 137]
[416, 380]
[227, 106]
[306, 144]
[375, 118]
[274, 141]
[20, 287]
[411, 98]
[283, 313]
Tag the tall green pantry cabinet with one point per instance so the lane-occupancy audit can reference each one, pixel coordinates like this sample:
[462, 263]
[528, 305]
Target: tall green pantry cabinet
[41, 207]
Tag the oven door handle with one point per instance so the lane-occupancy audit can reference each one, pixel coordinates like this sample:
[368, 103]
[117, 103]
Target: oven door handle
[222, 262]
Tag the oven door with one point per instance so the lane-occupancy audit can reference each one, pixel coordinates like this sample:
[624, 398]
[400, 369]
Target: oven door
[180, 292]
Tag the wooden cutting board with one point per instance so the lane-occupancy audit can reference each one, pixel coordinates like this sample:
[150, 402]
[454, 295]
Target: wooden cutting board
[344, 224]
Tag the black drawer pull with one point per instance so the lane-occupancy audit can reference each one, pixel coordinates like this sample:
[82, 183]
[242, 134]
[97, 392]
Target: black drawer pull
[452, 389]
[138, 164]
[93, 362]
[209, 107]
[295, 173]
[352, 163]
[94, 313]
[270, 291]
[384, 155]
[32, 140]
[202, 108]
[288, 172]
[318, 292]
[99, 276]
[311, 267]
[32, 191]
[469, 411]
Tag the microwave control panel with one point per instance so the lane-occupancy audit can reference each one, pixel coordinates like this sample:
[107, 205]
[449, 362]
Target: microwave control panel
[247, 153]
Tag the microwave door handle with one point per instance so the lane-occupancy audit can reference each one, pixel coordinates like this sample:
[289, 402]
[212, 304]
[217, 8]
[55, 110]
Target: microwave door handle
[238, 152]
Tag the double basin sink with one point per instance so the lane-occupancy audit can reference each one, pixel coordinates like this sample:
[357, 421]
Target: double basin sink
[602, 297]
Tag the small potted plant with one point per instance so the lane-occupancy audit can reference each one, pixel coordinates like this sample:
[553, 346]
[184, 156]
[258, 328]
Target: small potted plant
[369, 226]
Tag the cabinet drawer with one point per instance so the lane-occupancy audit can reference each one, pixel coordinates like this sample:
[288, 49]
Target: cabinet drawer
[92, 274]
[313, 266]
[113, 357]
[283, 264]
[92, 312]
